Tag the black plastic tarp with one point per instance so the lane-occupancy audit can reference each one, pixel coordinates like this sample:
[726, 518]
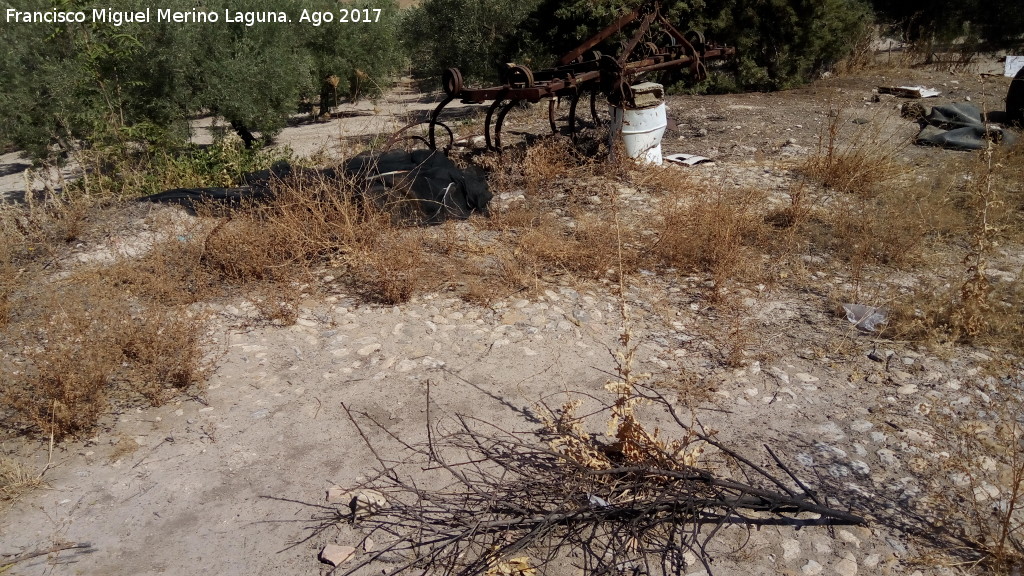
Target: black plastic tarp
[960, 126]
[422, 185]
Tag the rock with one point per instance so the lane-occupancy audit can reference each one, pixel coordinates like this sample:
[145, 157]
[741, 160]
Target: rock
[848, 565]
[861, 426]
[812, 568]
[888, 458]
[849, 538]
[830, 431]
[860, 467]
[871, 561]
[336, 555]
[780, 374]
[368, 544]
[790, 549]
[338, 495]
[366, 502]
[907, 389]
[368, 349]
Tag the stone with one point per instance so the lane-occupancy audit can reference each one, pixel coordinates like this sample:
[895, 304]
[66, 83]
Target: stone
[812, 568]
[368, 544]
[367, 502]
[831, 432]
[861, 426]
[848, 565]
[368, 349]
[849, 538]
[860, 467]
[871, 561]
[790, 549]
[907, 389]
[336, 555]
[888, 458]
[338, 495]
[780, 374]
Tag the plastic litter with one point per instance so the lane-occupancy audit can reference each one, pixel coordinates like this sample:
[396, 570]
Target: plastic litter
[865, 318]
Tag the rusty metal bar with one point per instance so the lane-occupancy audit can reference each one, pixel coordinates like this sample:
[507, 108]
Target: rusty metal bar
[573, 75]
[433, 119]
[487, 122]
[644, 28]
[599, 37]
[501, 120]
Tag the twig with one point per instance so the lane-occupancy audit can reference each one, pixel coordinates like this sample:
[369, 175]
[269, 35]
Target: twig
[84, 547]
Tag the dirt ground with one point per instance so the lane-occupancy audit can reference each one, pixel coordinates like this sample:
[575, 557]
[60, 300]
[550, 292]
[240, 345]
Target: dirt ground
[226, 482]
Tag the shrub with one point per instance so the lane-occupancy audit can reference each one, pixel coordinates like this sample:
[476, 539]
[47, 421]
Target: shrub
[94, 84]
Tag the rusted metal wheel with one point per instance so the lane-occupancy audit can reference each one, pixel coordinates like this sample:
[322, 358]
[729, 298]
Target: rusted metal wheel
[696, 39]
[520, 77]
[451, 81]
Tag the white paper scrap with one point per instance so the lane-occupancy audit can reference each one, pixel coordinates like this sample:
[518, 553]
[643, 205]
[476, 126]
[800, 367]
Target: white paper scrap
[687, 159]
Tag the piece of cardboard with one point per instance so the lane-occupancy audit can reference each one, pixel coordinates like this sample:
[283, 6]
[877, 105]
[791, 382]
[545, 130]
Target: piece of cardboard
[909, 91]
[687, 159]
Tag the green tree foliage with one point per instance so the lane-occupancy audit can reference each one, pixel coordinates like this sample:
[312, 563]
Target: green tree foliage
[97, 83]
[374, 49]
[780, 42]
[475, 36]
[981, 24]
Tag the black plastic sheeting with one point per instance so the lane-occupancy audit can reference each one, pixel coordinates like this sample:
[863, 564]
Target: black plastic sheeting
[422, 185]
[960, 126]
[1015, 99]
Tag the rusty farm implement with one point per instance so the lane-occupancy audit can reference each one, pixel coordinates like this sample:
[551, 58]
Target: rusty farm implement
[654, 46]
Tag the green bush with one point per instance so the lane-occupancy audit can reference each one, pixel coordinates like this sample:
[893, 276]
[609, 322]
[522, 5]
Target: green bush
[96, 84]
[473, 36]
[977, 24]
[780, 43]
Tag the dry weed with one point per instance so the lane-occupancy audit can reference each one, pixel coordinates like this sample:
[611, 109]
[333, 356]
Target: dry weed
[712, 230]
[392, 268]
[974, 497]
[967, 306]
[77, 342]
[587, 247]
[16, 479]
[853, 159]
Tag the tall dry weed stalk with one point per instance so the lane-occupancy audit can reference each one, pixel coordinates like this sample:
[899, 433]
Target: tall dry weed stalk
[632, 443]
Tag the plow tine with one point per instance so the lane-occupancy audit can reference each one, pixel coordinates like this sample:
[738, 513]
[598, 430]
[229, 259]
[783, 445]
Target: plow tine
[551, 116]
[593, 108]
[487, 122]
[572, 114]
[433, 120]
[501, 119]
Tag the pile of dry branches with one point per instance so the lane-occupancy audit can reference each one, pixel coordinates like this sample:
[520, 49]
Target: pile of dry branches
[476, 499]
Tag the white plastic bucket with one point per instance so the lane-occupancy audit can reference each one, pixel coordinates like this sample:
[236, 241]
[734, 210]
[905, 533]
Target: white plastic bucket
[639, 131]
